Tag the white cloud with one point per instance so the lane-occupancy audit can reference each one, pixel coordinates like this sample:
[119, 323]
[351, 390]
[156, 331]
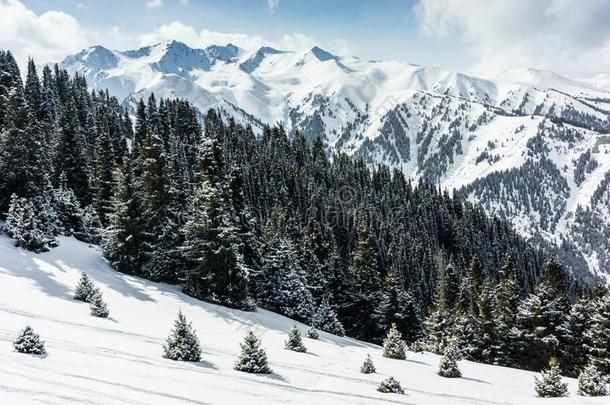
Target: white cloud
[154, 3]
[184, 3]
[568, 36]
[273, 5]
[46, 37]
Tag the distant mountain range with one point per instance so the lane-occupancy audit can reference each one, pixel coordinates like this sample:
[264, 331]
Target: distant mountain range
[530, 146]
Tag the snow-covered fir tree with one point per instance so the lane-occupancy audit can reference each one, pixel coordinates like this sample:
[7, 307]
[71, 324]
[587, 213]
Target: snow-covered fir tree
[212, 244]
[550, 384]
[448, 367]
[440, 321]
[123, 238]
[390, 385]
[325, 319]
[507, 302]
[182, 343]
[32, 223]
[253, 358]
[598, 335]
[541, 320]
[312, 333]
[367, 366]
[29, 342]
[98, 307]
[282, 287]
[84, 289]
[366, 286]
[399, 307]
[393, 345]
[294, 341]
[592, 382]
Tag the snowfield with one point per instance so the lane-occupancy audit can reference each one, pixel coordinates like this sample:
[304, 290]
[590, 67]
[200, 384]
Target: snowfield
[119, 360]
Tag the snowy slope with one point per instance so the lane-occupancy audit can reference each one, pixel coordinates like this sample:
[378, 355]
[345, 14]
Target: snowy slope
[119, 360]
[447, 127]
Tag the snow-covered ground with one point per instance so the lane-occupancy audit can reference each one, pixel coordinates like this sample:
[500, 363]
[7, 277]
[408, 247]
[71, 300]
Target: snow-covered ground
[119, 360]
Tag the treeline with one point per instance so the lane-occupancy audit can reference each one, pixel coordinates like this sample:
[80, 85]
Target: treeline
[244, 221]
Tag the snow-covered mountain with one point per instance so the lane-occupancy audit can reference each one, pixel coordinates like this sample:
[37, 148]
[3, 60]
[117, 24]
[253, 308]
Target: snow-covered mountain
[530, 145]
[119, 360]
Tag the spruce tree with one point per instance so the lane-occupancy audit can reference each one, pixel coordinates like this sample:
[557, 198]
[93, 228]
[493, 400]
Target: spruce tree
[448, 366]
[253, 358]
[550, 385]
[325, 319]
[312, 333]
[182, 343]
[507, 303]
[393, 345]
[598, 335]
[368, 367]
[541, 320]
[97, 305]
[281, 284]
[29, 342]
[72, 159]
[218, 272]
[592, 382]
[366, 293]
[294, 341]
[390, 385]
[84, 289]
[123, 238]
[475, 280]
[486, 322]
[22, 158]
[399, 307]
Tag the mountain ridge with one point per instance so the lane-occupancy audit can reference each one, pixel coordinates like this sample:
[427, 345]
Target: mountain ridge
[448, 127]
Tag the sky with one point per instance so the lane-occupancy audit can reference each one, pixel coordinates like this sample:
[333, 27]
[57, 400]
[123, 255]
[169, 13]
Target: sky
[570, 37]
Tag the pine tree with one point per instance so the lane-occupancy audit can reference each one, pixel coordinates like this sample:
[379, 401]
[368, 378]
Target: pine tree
[32, 223]
[97, 305]
[325, 319]
[253, 358]
[399, 307]
[281, 284]
[123, 238]
[393, 345]
[576, 348]
[541, 322]
[598, 335]
[486, 322]
[551, 385]
[507, 303]
[29, 342]
[294, 342]
[366, 293]
[390, 385]
[448, 366]
[440, 321]
[312, 333]
[22, 158]
[368, 367]
[182, 343]
[72, 159]
[212, 243]
[592, 382]
[84, 289]
[475, 280]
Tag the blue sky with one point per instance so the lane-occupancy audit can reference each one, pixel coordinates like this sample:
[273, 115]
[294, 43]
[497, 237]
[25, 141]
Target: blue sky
[372, 29]
[571, 37]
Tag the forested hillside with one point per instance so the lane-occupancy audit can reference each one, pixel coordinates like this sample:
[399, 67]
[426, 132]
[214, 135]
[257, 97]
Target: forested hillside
[274, 222]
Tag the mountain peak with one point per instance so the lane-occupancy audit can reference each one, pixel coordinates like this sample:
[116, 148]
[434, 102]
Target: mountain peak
[321, 54]
[95, 56]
